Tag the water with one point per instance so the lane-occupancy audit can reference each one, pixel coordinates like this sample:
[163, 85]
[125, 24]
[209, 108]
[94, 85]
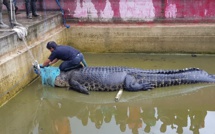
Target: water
[183, 109]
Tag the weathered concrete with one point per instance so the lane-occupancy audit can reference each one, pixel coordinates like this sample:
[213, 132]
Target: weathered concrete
[132, 10]
[36, 28]
[162, 38]
[15, 58]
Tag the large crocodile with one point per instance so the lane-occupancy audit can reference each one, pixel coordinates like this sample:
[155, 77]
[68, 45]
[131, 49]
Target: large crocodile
[130, 79]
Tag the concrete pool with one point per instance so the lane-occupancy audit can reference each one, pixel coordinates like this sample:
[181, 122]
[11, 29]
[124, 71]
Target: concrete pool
[42, 109]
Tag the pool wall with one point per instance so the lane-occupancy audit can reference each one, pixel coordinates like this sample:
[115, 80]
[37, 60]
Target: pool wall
[131, 10]
[144, 38]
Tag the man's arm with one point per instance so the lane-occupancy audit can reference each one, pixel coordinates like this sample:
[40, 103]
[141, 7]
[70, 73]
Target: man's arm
[46, 63]
[54, 61]
[49, 62]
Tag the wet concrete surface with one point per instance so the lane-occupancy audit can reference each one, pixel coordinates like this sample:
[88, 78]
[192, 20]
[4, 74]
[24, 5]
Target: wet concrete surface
[186, 109]
[22, 19]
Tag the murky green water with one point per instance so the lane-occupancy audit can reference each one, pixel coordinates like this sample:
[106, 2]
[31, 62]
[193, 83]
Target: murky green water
[183, 109]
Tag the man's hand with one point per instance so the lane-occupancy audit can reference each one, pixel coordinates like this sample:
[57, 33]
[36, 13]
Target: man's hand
[41, 66]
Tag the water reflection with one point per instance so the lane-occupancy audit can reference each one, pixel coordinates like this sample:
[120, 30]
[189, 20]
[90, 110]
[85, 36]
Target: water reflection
[134, 118]
[59, 112]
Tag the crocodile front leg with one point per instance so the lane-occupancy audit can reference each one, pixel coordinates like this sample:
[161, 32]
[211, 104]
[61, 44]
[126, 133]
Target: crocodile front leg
[74, 85]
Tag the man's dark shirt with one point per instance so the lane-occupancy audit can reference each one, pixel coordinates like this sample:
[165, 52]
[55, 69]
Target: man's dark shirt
[64, 53]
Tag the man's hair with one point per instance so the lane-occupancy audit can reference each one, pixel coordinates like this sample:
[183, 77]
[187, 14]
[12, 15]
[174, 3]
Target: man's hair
[51, 44]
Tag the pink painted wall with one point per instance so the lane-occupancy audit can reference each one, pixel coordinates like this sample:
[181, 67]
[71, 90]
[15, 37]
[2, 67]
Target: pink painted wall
[132, 10]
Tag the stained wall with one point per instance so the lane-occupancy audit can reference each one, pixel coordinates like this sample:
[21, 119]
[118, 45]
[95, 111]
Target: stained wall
[132, 10]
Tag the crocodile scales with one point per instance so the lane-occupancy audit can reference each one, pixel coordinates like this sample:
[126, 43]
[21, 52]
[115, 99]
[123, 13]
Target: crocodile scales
[130, 79]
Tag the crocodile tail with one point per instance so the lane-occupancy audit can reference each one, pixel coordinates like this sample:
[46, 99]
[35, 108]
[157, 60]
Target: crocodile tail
[212, 76]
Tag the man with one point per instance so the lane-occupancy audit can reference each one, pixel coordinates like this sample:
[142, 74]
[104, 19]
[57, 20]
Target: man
[31, 8]
[12, 17]
[72, 57]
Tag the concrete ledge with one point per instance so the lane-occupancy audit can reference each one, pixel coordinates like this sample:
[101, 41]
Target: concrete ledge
[36, 28]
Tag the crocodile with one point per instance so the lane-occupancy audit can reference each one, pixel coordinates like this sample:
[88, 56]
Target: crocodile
[130, 79]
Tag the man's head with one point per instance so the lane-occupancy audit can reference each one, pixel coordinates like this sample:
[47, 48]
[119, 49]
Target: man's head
[51, 46]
